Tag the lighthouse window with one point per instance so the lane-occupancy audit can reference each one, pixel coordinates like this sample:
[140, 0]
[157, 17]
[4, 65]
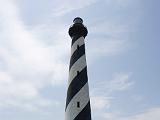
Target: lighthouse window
[78, 104]
[77, 72]
[77, 47]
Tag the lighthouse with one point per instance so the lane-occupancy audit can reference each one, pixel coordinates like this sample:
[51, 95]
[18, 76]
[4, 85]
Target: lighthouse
[78, 100]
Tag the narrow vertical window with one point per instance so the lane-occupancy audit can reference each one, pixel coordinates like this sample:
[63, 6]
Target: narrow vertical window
[77, 47]
[77, 73]
[78, 104]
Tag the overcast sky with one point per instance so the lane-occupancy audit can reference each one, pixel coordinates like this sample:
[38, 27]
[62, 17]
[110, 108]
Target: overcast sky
[122, 50]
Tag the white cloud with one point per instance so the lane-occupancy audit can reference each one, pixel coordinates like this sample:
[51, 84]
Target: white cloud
[102, 94]
[119, 3]
[107, 48]
[65, 6]
[110, 115]
[110, 38]
[100, 102]
[150, 114]
[60, 9]
[138, 98]
[8, 87]
[120, 82]
[21, 94]
[28, 64]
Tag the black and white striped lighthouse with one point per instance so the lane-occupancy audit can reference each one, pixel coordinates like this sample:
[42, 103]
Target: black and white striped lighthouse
[78, 101]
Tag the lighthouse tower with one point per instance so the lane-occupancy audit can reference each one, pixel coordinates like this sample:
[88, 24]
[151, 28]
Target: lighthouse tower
[78, 101]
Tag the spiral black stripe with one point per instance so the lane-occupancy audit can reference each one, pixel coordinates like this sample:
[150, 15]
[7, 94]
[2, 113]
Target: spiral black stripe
[76, 55]
[77, 83]
[75, 38]
[85, 114]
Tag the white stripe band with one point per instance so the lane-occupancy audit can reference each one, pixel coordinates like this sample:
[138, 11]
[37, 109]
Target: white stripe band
[79, 65]
[83, 98]
[79, 42]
